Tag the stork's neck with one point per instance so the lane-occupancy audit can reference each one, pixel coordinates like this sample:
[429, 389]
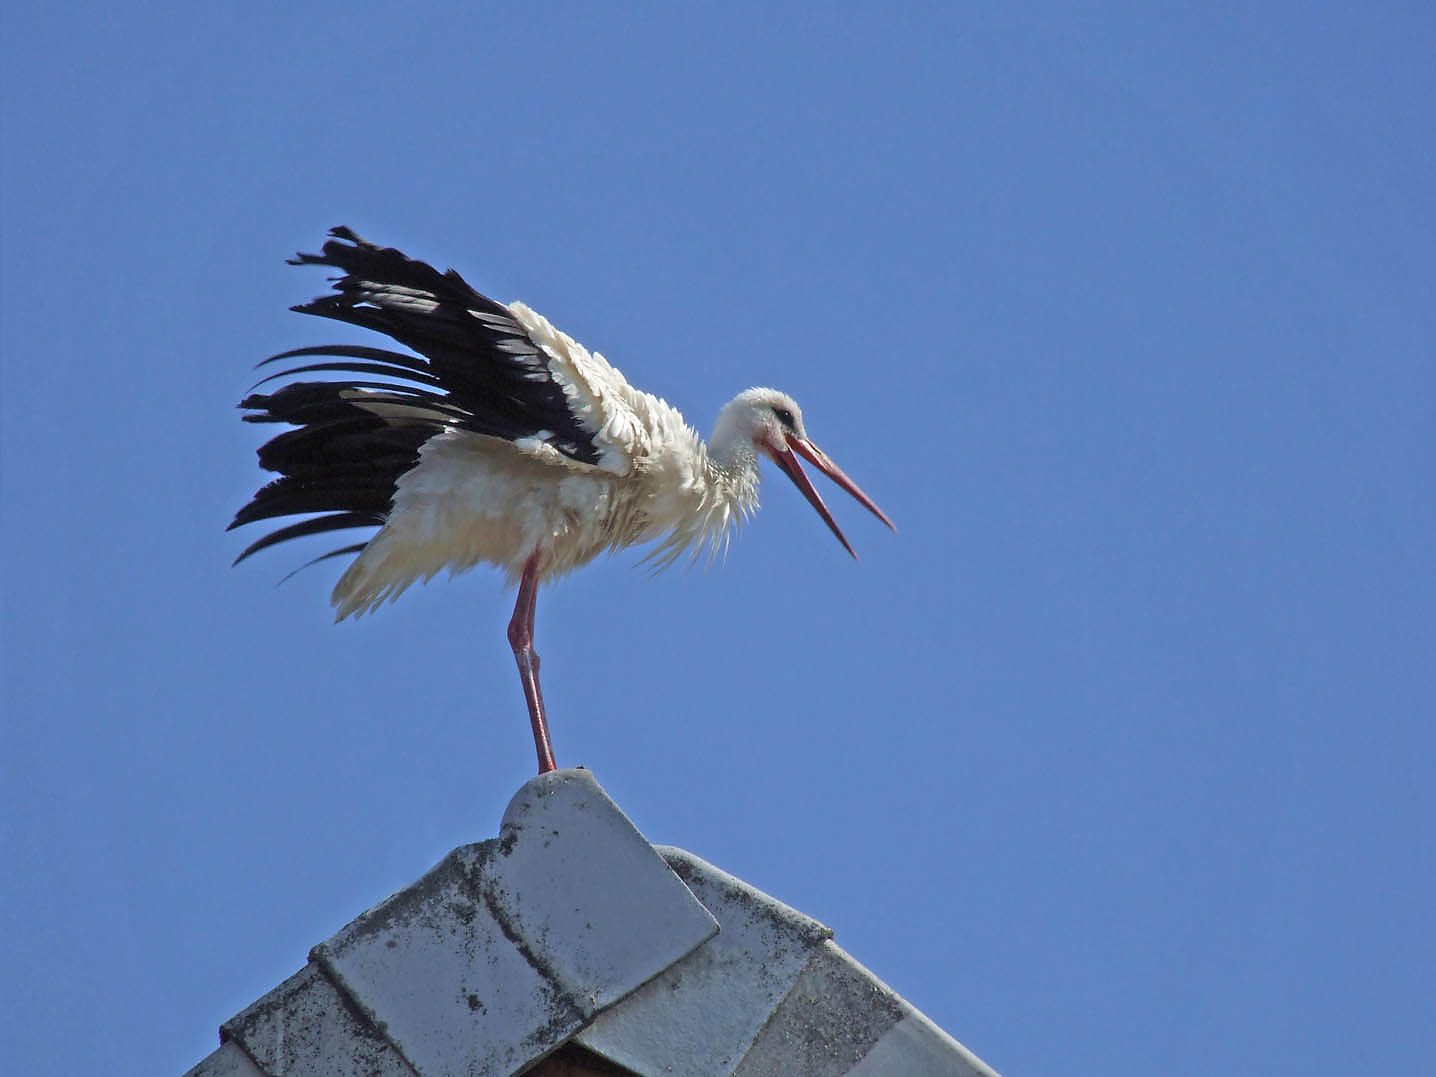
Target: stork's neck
[733, 465]
[720, 494]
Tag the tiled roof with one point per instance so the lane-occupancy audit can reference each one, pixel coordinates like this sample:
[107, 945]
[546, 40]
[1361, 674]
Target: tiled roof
[570, 931]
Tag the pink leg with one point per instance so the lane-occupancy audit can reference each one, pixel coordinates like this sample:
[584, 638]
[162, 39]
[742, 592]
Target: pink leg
[521, 638]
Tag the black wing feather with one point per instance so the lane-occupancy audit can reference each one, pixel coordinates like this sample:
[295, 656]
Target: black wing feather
[318, 525]
[475, 369]
[475, 349]
[354, 351]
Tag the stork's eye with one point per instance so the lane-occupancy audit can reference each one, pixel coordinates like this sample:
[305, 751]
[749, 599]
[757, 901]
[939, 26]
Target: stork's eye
[784, 416]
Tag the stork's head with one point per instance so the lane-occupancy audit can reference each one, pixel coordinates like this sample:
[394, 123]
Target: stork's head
[773, 422]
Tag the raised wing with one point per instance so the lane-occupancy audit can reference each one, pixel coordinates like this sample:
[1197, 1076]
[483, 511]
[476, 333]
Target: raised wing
[493, 376]
[478, 366]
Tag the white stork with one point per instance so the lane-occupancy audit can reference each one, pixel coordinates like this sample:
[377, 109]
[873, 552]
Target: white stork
[502, 440]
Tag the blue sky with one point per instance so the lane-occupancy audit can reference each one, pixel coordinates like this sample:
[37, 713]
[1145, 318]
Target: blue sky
[1116, 759]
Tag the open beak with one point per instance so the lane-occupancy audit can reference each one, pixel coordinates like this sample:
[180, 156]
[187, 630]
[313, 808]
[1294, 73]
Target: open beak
[788, 461]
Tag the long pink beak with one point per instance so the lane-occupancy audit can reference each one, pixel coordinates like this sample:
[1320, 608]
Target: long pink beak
[786, 460]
